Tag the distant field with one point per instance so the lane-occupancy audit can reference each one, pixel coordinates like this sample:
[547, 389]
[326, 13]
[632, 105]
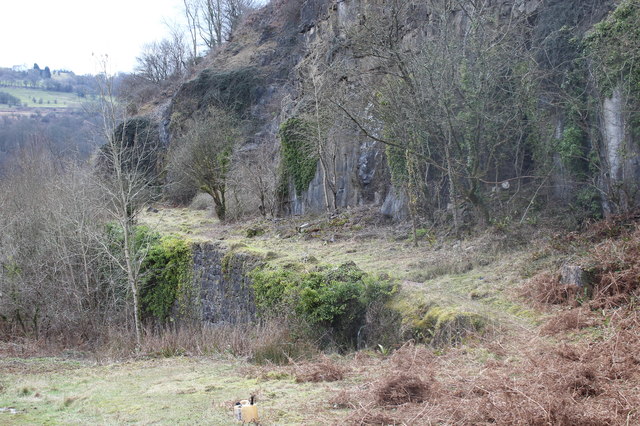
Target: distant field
[32, 98]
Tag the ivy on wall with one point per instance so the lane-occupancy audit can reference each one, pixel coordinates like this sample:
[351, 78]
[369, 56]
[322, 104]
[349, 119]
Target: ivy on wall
[166, 278]
[327, 299]
[299, 160]
[614, 47]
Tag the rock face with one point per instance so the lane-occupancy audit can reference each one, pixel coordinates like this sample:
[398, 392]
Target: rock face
[264, 72]
[225, 292]
[621, 155]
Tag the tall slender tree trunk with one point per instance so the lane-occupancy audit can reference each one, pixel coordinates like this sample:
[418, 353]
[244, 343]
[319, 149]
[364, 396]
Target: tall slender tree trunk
[320, 147]
[132, 281]
[452, 185]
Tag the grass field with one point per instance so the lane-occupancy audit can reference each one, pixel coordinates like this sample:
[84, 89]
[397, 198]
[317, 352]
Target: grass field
[171, 391]
[49, 99]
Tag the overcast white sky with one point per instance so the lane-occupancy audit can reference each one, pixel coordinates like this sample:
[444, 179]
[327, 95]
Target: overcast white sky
[65, 33]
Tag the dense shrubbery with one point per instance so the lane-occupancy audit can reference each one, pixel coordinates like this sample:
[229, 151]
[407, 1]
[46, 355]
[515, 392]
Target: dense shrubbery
[331, 301]
[9, 99]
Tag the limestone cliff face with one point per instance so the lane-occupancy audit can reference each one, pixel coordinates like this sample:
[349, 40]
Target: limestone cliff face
[264, 74]
[621, 155]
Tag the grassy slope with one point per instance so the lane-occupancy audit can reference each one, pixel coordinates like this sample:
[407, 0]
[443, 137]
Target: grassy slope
[475, 274]
[64, 100]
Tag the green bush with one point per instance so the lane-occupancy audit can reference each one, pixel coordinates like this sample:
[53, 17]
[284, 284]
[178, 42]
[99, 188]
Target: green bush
[588, 204]
[9, 99]
[331, 301]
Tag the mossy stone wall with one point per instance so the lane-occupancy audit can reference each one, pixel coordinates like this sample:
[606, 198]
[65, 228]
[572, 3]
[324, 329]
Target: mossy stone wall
[222, 277]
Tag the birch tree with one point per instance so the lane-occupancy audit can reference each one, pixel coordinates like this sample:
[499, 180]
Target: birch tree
[127, 173]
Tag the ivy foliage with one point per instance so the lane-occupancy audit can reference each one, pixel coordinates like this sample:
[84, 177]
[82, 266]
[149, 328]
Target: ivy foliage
[614, 46]
[329, 300]
[165, 271]
[166, 277]
[397, 163]
[299, 161]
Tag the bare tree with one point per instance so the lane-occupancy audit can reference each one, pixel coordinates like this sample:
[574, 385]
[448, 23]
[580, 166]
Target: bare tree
[204, 154]
[213, 21]
[163, 61]
[54, 278]
[213, 26]
[320, 89]
[126, 177]
[453, 99]
[192, 14]
[234, 11]
[253, 179]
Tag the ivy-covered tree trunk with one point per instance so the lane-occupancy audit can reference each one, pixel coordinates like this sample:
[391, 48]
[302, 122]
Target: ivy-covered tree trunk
[219, 201]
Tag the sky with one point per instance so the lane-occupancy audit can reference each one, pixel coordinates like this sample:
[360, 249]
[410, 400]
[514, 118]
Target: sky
[73, 34]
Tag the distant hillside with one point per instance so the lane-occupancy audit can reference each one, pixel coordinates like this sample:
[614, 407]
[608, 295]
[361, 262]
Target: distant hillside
[41, 98]
[61, 81]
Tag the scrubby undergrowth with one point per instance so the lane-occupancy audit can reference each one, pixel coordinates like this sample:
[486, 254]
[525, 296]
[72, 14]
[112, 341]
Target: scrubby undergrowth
[503, 341]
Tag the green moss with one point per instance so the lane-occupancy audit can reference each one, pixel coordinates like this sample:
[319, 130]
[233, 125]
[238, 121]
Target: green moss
[449, 325]
[244, 258]
[254, 232]
[430, 322]
[278, 375]
[226, 264]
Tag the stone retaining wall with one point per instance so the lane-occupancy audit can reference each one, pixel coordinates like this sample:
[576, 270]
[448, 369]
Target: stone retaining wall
[220, 275]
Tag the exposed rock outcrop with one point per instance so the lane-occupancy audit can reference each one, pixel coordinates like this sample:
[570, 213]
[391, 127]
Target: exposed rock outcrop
[264, 72]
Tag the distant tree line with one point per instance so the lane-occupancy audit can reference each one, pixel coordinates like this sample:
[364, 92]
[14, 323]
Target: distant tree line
[7, 98]
[45, 79]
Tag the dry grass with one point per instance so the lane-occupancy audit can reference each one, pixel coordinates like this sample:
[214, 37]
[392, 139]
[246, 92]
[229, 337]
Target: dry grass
[569, 320]
[616, 263]
[322, 370]
[610, 252]
[580, 366]
[401, 388]
[589, 374]
[546, 289]
[270, 342]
